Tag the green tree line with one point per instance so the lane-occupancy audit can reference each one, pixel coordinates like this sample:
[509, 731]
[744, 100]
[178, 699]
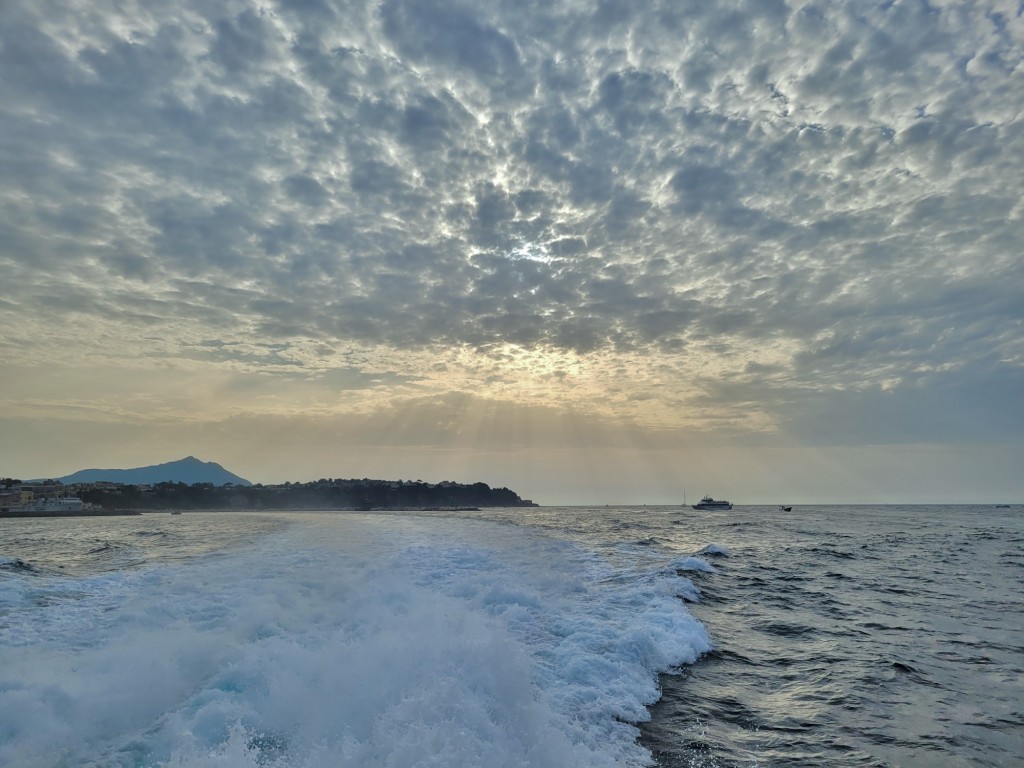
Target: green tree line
[352, 494]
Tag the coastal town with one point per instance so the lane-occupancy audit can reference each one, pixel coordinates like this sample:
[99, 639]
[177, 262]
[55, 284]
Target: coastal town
[44, 497]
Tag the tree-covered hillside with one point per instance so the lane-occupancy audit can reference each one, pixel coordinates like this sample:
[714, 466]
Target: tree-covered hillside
[322, 494]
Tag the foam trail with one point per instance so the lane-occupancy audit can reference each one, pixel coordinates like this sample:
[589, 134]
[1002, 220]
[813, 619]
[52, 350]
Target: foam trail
[694, 564]
[348, 641]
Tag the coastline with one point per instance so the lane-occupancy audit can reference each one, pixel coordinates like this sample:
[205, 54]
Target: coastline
[20, 513]
[14, 514]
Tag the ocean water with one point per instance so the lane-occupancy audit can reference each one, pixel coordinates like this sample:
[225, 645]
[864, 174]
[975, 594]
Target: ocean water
[612, 636]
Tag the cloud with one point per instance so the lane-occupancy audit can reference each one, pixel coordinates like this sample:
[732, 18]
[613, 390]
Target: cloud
[788, 198]
[461, 42]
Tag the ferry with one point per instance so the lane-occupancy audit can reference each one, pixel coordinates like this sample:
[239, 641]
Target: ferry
[62, 505]
[709, 503]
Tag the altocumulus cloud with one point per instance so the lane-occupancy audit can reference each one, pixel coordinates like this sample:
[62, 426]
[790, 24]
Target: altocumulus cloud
[800, 209]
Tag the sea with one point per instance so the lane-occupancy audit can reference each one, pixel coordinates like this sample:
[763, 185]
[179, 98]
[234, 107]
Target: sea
[531, 637]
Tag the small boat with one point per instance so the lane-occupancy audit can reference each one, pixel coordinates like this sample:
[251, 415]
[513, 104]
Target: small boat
[785, 509]
[709, 503]
[176, 512]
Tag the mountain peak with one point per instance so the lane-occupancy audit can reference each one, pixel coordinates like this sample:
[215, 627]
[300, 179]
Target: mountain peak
[188, 470]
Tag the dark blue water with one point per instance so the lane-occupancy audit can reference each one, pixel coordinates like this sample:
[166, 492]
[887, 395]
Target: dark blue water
[856, 636]
[832, 636]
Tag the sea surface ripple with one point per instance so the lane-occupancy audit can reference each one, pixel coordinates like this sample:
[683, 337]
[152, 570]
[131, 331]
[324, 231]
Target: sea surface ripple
[843, 635]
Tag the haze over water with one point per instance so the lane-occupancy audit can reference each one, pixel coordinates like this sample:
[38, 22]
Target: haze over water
[882, 636]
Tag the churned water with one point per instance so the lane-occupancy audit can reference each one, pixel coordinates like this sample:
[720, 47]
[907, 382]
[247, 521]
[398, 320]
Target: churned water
[613, 636]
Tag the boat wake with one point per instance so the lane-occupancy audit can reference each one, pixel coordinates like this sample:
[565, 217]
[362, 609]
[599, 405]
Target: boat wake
[350, 641]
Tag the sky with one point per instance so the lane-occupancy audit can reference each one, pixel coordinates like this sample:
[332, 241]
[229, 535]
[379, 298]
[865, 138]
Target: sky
[595, 252]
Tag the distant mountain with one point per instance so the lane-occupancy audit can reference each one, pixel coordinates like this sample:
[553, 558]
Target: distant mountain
[188, 470]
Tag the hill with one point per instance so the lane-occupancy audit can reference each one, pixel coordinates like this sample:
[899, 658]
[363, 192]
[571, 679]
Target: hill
[188, 470]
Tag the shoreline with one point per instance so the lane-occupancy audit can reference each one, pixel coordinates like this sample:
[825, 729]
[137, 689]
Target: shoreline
[19, 513]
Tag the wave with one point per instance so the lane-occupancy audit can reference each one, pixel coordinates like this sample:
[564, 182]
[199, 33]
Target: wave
[155, 535]
[107, 547]
[715, 550]
[17, 565]
[353, 642]
[694, 564]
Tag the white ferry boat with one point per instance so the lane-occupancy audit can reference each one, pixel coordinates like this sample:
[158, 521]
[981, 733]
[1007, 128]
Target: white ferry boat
[63, 504]
[709, 503]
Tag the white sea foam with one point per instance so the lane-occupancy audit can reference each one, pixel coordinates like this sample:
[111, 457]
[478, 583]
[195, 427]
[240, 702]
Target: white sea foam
[349, 641]
[694, 564]
[715, 549]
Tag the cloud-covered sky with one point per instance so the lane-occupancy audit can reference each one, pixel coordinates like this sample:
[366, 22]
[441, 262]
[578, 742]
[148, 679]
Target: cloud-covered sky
[593, 251]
